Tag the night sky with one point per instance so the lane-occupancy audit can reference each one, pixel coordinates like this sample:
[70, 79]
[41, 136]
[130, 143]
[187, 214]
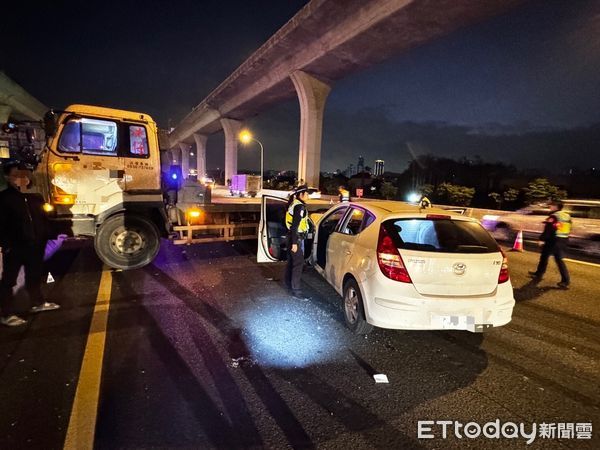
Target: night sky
[502, 89]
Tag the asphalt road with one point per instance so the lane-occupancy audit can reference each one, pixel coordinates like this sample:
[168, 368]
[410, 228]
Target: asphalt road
[204, 349]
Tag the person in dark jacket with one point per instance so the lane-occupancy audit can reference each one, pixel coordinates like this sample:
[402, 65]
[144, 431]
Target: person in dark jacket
[557, 228]
[296, 221]
[23, 237]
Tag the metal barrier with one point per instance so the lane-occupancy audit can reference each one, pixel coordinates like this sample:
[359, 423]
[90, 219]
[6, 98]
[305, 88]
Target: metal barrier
[222, 232]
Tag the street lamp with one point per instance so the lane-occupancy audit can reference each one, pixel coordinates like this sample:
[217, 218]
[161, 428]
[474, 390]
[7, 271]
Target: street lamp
[245, 138]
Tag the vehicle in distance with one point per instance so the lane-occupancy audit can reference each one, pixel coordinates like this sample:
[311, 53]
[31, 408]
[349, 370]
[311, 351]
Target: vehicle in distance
[585, 231]
[401, 267]
[244, 185]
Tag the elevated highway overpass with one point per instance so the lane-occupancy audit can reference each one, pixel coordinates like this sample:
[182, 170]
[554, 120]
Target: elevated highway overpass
[324, 42]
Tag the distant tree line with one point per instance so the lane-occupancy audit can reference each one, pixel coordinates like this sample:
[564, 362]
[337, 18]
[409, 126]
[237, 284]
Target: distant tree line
[468, 182]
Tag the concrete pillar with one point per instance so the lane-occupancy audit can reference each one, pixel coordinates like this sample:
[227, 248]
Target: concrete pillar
[312, 94]
[200, 154]
[185, 159]
[5, 111]
[165, 159]
[231, 129]
[175, 156]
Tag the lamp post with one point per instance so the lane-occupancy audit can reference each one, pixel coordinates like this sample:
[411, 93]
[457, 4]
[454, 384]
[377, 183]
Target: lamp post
[245, 138]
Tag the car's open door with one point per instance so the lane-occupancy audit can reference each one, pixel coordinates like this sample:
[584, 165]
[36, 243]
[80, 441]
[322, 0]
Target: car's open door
[271, 230]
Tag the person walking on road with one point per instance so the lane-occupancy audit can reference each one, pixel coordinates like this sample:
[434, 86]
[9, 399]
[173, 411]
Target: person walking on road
[23, 237]
[296, 221]
[556, 232]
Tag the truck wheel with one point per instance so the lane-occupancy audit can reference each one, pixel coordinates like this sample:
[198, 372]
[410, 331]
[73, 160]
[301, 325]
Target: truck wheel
[126, 241]
[354, 310]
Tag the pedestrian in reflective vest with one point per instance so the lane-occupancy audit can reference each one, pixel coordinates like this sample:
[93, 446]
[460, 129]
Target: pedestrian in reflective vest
[344, 194]
[296, 221]
[557, 228]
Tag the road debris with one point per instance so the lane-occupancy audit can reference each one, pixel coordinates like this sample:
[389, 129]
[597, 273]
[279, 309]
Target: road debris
[380, 378]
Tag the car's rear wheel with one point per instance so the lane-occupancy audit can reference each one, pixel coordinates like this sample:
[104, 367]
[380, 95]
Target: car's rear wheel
[354, 310]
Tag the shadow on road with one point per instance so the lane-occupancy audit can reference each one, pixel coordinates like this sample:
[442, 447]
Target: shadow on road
[530, 291]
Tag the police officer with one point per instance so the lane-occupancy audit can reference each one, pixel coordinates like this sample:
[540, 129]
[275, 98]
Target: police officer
[424, 203]
[557, 228]
[296, 221]
[23, 237]
[344, 194]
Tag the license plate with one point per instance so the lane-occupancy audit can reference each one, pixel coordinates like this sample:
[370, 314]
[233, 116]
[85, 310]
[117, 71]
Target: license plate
[453, 322]
[458, 323]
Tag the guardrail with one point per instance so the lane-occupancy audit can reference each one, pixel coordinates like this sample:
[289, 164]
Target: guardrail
[478, 213]
[215, 232]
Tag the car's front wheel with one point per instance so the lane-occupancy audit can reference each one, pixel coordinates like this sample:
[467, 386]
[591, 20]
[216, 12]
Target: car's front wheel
[354, 310]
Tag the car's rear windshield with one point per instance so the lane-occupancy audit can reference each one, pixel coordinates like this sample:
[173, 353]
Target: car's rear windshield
[441, 235]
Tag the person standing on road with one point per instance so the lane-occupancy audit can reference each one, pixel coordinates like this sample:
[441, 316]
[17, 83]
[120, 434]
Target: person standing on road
[23, 237]
[296, 221]
[556, 232]
[344, 194]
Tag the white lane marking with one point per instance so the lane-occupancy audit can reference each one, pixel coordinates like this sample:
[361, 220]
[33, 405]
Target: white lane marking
[585, 263]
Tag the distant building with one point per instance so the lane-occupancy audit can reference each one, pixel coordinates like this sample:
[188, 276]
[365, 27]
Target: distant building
[350, 171]
[379, 168]
[360, 167]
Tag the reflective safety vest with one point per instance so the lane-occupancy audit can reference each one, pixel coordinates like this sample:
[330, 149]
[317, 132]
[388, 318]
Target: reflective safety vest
[563, 224]
[425, 203]
[289, 217]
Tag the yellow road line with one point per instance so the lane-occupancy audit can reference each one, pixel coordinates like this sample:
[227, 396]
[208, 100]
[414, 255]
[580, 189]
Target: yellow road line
[82, 423]
[585, 263]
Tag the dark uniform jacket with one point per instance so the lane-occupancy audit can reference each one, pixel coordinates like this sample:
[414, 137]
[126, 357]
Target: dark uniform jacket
[22, 218]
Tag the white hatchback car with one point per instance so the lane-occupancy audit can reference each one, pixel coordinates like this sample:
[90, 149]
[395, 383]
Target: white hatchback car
[401, 267]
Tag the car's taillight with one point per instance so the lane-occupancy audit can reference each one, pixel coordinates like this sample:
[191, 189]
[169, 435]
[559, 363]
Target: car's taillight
[504, 275]
[389, 259]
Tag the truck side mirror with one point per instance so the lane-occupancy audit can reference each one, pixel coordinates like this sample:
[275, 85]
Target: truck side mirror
[50, 123]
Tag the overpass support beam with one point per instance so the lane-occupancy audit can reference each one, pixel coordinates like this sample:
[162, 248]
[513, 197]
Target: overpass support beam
[185, 159]
[312, 94]
[200, 154]
[175, 154]
[5, 111]
[231, 128]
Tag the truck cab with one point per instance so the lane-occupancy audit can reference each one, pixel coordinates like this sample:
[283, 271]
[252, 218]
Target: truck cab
[101, 174]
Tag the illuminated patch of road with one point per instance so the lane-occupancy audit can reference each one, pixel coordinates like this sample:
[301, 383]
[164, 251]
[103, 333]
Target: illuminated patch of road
[282, 332]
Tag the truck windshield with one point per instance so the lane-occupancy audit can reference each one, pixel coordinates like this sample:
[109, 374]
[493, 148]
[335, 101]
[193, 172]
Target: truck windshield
[92, 136]
[441, 235]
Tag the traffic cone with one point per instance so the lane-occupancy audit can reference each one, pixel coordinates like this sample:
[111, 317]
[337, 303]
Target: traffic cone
[50, 278]
[518, 245]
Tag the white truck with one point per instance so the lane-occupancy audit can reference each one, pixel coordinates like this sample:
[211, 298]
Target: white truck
[245, 185]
